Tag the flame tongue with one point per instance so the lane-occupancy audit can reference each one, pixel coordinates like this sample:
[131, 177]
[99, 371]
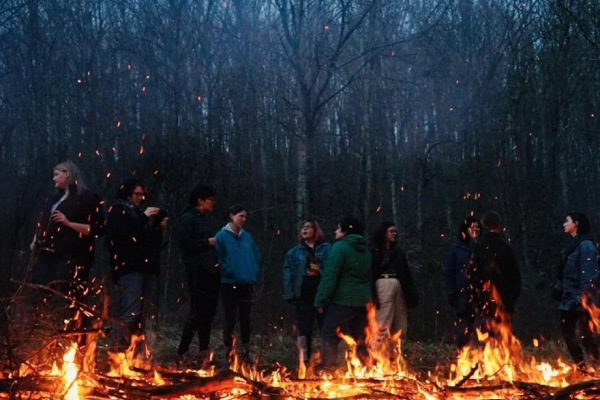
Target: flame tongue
[70, 373]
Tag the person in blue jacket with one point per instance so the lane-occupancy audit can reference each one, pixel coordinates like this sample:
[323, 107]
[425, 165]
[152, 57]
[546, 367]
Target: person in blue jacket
[456, 269]
[239, 261]
[578, 280]
[301, 277]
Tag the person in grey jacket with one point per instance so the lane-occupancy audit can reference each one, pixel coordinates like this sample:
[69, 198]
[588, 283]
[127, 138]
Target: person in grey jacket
[197, 243]
[301, 276]
[579, 277]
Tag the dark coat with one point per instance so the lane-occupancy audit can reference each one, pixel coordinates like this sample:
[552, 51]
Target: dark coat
[133, 243]
[494, 261]
[84, 208]
[194, 231]
[456, 270]
[399, 263]
[580, 276]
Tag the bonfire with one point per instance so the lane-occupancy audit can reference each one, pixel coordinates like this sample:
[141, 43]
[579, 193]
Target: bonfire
[63, 364]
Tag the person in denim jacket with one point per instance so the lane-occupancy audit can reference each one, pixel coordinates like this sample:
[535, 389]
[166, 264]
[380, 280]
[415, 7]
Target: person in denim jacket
[301, 277]
[579, 279]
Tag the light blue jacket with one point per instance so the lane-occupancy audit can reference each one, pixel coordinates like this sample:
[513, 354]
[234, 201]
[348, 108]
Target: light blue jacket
[294, 268]
[239, 257]
[580, 275]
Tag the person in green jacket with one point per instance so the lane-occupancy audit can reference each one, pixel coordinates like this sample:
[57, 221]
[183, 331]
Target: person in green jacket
[345, 290]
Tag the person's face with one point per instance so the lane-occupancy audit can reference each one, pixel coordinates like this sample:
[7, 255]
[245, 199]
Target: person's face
[137, 196]
[206, 205]
[307, 231]
[391, 235]
[238, 219]
[339, 233]
[61, 179]
[570, 226]
[473, 230]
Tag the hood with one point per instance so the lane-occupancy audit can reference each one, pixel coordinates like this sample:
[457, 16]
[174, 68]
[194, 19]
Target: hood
[356, 241]
[229, 229]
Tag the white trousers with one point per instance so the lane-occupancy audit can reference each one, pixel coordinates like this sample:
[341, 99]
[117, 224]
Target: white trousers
[392, 316]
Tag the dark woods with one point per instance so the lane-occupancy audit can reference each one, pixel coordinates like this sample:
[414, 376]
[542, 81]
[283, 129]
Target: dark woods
[416, 111]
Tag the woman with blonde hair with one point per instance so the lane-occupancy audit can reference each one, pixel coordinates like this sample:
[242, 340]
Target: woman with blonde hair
[68, 227]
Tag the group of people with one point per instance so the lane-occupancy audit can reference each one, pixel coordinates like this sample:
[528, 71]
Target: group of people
[483, 282]
[330, 284]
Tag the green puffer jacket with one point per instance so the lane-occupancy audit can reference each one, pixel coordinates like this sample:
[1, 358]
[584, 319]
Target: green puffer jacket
[346, 277]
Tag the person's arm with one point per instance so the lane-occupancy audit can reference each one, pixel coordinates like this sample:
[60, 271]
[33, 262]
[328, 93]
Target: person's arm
[222, 253]
[411, 295]
[288, 277]
[515, 275]
[588, 263]
[329, 279]
[59, 217]
[188, 241]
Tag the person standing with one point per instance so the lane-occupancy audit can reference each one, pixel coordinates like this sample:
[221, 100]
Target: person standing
[578, 276]
[345, 290]
[65, 240]
[302, 271]
[393, 286]
[197, 243]
[456, 270]
[134, 242]
[67, 230]
[494, 275]
[239, 260]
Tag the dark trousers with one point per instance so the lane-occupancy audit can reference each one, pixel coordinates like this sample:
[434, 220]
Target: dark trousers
[138, 291]
[464, 328]
[351, 321]
[237, 302]
[306, 313]
[204, 297]
[569, 320]
[50, 267]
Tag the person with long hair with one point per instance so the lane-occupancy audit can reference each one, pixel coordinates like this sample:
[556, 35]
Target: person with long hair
[134, 242]
[578, 278]
[393, 287]
[345, 290]
[494, 277]
[456, 270]
[239, 260]
[302, 270]
[197, 243]
[67, 230]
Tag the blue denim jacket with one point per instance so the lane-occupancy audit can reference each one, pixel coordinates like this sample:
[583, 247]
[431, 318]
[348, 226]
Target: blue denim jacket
[580, 275]
[294, 268]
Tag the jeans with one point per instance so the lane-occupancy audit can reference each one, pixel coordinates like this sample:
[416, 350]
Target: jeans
[237, 304]
[351, 321]
[306, 313]
[204, 297]
[50, 267]
[138, 291]
[569, 320]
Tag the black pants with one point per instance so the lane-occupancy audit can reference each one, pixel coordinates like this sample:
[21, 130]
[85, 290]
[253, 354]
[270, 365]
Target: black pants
[351, 321]
[568, 323]
[204, 297]
[306, 313]
[237, 304]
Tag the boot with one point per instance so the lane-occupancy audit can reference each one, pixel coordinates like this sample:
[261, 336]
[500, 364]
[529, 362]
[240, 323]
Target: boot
[303, 351]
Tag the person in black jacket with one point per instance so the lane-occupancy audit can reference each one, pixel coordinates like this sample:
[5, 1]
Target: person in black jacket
[65, 239]
[393, 287]
[134, 243]
[456, 269]
[67, 230]
[495, 276]
[197, 243]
